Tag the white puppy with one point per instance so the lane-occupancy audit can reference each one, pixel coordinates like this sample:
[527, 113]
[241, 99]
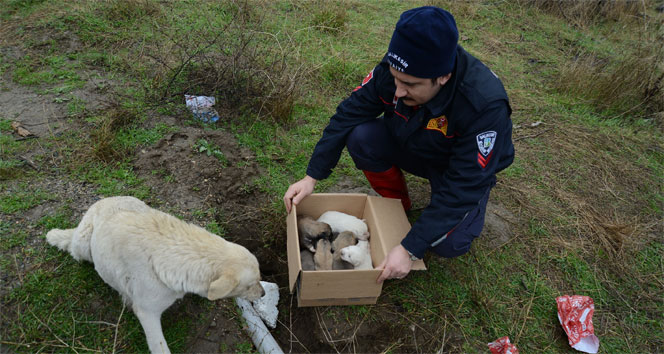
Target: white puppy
[358, 255]
[153, 259]
[340, 222]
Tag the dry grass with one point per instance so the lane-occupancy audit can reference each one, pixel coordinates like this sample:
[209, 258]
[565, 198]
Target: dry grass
[130, 9]
[103, 136]
[596, 201]
[582, 13]
[633, 84]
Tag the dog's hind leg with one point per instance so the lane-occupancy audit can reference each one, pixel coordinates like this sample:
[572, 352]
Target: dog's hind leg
[148, 302]
[151, 322]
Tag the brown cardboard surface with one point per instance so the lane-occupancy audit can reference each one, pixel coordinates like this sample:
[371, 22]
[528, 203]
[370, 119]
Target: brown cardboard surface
[336, 302]
[387, 225]
[292, 248]
[349, 203]
[322, 284]
[393, 226]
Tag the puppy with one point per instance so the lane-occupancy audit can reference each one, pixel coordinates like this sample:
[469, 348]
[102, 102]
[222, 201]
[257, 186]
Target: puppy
[153, 259]
[310, 231]
[323, 255]
[342, 240]
[340, 222]
[307, 259]
[358, 255]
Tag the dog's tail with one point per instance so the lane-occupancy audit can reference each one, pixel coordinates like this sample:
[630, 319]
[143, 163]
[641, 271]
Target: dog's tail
[60, 238]
[75, 241]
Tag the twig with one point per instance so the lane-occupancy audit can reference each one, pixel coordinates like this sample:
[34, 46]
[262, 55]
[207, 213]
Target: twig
[28, 162]
[18, 271]
[533, 135]
[442, 346]
[293, 336]
[49, 329]
[530, 304]
[326, 332]
[117, 325]
[417, 347]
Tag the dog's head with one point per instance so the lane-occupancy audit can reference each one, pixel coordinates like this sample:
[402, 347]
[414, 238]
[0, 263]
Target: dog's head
[239, 278]
[352, 255]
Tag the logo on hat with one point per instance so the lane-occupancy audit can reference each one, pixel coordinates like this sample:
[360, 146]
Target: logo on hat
[397, 62]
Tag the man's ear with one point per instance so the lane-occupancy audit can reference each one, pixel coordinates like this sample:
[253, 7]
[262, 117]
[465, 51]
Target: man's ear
[222, 286]
[442, 80]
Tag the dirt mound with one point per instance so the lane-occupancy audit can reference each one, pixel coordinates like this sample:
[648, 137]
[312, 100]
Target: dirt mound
[189, 179]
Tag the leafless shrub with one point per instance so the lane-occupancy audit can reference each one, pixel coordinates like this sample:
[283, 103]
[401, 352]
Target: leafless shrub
[245, 68]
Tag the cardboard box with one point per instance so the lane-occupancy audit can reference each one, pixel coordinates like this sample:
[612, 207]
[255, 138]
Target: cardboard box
[388, 225]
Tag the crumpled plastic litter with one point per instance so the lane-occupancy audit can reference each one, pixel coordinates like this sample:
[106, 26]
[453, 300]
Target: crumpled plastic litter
[502, 346]
[575, 314]
[266, 307]
[201, 107]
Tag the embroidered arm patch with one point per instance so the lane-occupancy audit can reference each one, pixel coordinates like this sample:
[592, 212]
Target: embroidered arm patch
[485, 143]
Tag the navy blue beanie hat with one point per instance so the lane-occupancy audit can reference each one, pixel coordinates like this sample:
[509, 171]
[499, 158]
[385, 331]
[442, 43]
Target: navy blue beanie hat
[424, 43]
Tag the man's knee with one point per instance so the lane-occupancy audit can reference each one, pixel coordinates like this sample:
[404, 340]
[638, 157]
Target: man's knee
[455, 248]
[361, 137]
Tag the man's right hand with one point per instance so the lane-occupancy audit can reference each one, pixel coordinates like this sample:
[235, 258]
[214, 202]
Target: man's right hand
[298, 190]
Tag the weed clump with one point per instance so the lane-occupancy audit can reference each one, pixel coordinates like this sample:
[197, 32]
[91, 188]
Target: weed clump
[104, 137]
[632, 84]
[583, 13]
[329, 16]
[130, 9]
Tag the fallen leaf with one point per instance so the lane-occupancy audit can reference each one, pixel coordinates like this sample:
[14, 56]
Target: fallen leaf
[20, 130]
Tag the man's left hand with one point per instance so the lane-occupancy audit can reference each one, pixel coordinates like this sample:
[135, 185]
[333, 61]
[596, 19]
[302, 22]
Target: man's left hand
[396, 265]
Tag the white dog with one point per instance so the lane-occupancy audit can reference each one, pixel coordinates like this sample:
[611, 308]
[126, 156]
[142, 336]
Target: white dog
[358, 255]
[153, 259]
[340, 222]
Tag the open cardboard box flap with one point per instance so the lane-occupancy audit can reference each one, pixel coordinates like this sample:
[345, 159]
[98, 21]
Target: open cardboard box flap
[387, 225]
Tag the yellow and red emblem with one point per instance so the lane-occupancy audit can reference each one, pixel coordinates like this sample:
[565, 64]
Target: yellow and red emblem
[439, 124]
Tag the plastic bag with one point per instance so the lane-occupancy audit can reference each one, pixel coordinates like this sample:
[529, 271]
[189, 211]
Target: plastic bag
[201, 107]
[575, 314]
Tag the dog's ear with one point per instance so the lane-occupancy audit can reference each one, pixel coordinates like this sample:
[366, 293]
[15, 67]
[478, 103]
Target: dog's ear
[222, 286]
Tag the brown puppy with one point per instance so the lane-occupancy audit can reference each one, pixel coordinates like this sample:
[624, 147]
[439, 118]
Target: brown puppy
[342, 240]
[323, 255]
[310, 230]
[307, 259]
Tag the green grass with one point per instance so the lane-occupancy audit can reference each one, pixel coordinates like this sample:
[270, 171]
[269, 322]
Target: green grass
[16, 201]
[593, 166]
[117, 179]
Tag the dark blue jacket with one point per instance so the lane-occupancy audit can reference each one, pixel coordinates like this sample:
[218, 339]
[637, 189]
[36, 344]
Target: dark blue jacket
[465, 133]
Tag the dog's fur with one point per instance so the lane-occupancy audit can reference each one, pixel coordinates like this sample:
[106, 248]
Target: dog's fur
[307, 259]
[310, 231]
[153, 259]
[342, 240]
[358, 255]
[340, 222]
[323, 255]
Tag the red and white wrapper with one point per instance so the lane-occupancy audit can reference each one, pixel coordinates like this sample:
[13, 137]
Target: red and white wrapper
[575, 314]
[503, 346]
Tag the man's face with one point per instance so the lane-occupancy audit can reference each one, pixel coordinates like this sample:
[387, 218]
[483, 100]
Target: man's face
[415, 91]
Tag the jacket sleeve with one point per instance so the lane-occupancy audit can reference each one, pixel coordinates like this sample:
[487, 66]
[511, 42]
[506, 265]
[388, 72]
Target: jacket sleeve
[363, 105]
[460, 187]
